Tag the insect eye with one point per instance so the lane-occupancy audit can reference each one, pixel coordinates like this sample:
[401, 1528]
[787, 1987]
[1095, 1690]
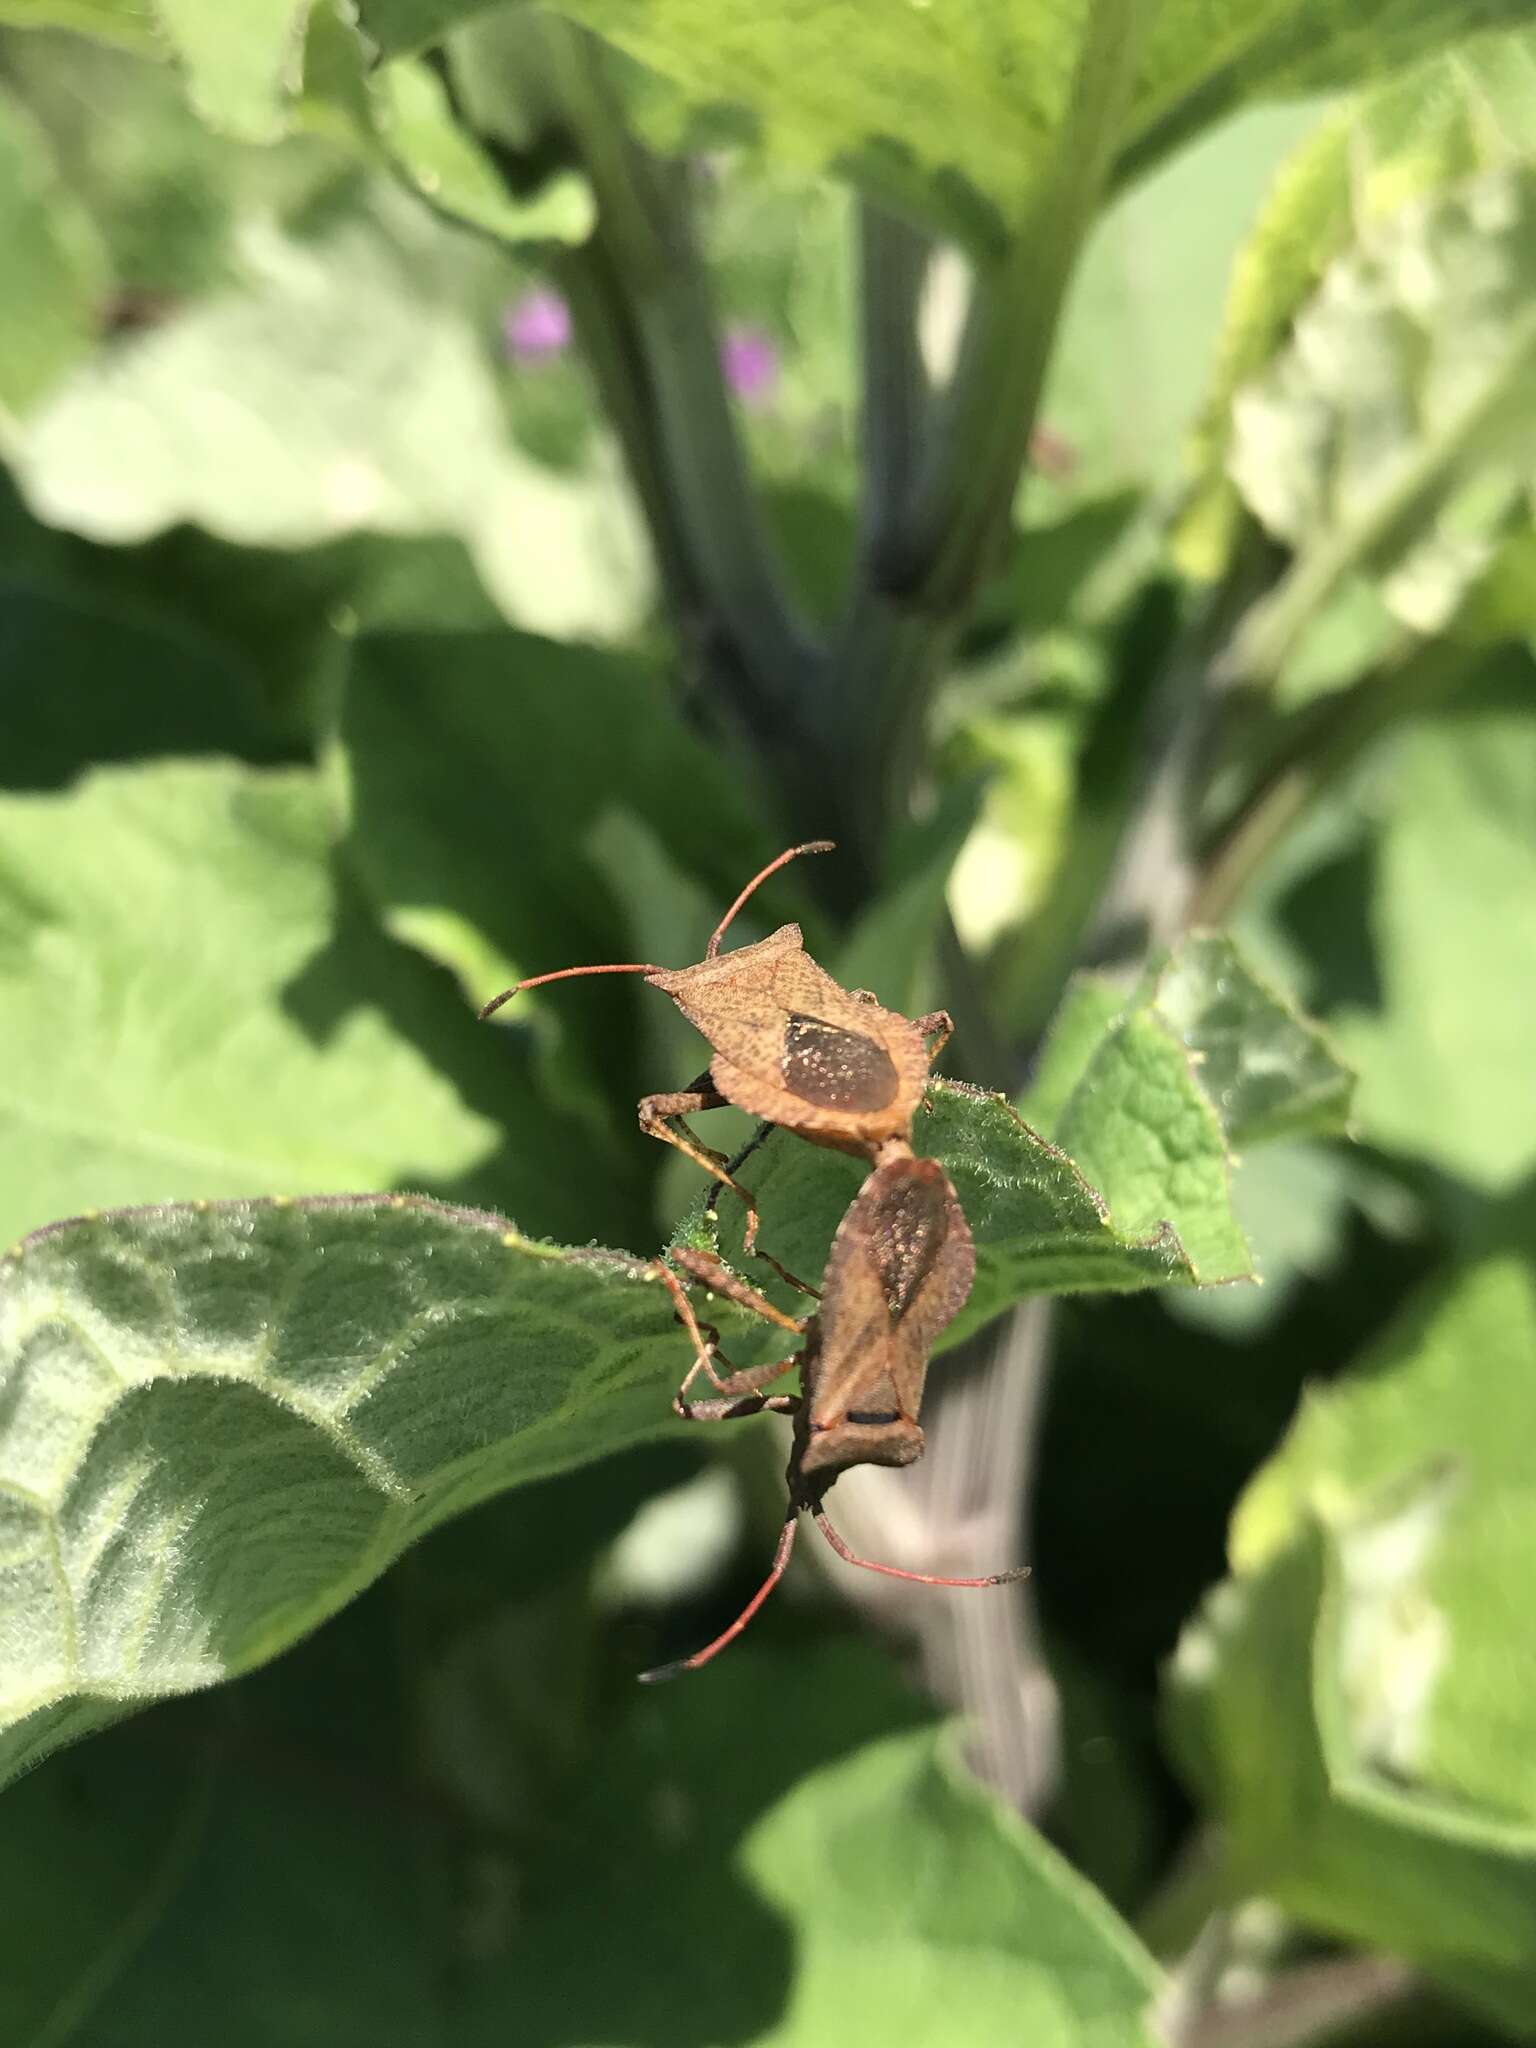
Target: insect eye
[834, 1068]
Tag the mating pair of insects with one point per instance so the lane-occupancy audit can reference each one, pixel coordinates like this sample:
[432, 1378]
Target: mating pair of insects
[792, 1047]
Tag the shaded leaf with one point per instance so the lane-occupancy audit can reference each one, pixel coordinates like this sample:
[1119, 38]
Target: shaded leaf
[1356, 1702]
[704, 1867]
[398, 115]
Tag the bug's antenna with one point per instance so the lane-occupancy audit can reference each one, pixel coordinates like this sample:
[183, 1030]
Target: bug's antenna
[895, 1571]
[564, 974]
[712, 1650]
[791, 853]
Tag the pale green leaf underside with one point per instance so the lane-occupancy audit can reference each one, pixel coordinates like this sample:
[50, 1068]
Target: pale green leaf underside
[1459, 111]
[1357, 1702]
[1395, 432]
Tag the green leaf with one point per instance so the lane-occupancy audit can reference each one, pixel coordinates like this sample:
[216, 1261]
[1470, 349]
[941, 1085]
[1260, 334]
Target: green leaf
[1039, 1227]
[1396, 431]
[1148, 1096]
[1144, 1132]
[1454, 113]
[243, 60]
[398, 115]
[553, 738]
[126, 23]
[1444, 1050]
[941, 108]
[232, 415]
[221, 1422]
[1268, 1072]
[244, 1030]
[1356, 1703]
[56, 268]
[931, 1913]
[514, 807]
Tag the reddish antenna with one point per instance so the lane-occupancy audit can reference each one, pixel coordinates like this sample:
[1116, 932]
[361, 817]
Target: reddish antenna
[791, 853]
[647, 966]
[565, 974]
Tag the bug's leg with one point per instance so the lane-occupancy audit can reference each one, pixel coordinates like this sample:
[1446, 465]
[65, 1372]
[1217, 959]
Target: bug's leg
[939, 1025]
[742, 1401]
[702, 1347]
[661, 1116]
[714, 1274]
[896, 1571]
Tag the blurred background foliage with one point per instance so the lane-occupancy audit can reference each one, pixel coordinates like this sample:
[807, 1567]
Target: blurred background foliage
[352, 669]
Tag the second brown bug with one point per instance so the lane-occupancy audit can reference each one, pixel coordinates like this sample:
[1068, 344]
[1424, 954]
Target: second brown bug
[899, 1272]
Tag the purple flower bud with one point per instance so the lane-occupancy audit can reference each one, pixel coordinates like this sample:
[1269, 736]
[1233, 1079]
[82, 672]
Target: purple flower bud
[537, 327]
[750, 361]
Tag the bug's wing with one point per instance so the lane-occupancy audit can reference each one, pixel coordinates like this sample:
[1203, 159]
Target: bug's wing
[900, 1270]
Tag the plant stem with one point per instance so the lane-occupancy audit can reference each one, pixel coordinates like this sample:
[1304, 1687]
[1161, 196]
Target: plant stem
[983, 439]
[915, 592]
[641, 292]
[893, 261]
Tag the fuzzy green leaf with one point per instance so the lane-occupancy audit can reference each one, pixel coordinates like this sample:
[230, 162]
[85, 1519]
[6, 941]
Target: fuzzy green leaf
[220, 1423]
[1356, 1703]
[1039, 1226]
[1151, 1098]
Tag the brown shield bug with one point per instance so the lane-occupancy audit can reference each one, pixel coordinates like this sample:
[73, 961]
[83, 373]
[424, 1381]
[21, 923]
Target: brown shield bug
[788, 1045]
[899, 1271]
